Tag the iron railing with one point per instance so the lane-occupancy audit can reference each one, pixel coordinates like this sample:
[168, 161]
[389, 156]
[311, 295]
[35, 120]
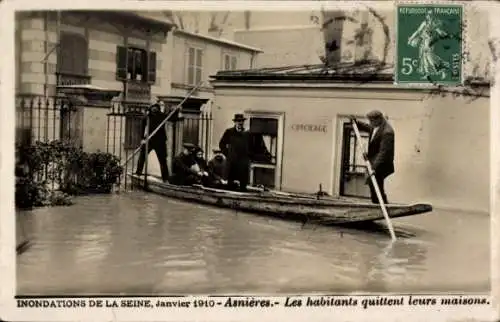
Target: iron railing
[125, 133]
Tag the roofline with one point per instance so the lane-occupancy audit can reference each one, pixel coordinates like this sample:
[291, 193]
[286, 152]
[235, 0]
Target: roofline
[222, 41]
[165, 24]
[474, 88]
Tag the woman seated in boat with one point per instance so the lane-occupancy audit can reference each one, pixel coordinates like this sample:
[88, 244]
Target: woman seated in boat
[183, 167]
[200, 166]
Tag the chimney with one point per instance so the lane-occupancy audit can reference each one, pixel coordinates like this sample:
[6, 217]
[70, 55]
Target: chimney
[214, 32]
[333, 22]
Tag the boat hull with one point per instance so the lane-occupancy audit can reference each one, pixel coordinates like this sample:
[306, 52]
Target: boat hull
[304, 208]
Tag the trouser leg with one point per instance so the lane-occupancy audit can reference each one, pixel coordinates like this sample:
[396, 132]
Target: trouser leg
[142, 158]
[380, 182]
[161, 154]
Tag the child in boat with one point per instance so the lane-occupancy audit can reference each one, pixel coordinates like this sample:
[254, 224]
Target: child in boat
[217, 168]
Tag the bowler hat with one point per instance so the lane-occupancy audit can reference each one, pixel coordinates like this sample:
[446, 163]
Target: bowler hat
[239, 117]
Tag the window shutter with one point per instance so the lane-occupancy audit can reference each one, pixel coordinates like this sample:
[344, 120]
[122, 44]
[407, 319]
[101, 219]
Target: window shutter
[152, 67]
[233, 63]
[121, 63]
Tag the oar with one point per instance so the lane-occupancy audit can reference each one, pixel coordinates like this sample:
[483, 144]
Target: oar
[374, 183]
[172, 112]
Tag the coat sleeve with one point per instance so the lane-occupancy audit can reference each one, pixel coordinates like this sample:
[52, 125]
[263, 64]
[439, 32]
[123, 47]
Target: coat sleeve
[179, 165]
[212, 171]
[364, 127]
[386, 149]
[143, 127]
[224, 141]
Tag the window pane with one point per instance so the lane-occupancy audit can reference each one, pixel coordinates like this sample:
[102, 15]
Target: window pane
[190, 78]
[264, 176]
[264, 125]
[191, 57]
[199, 58]
[198, 75]
[226, 62]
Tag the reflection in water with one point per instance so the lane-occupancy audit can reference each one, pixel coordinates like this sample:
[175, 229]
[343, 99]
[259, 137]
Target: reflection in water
[140, 243]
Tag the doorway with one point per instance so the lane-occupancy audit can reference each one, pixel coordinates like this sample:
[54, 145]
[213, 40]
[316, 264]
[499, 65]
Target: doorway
[267, 133]
[353, 169]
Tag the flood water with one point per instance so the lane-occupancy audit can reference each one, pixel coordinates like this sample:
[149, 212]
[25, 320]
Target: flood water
[138, 243]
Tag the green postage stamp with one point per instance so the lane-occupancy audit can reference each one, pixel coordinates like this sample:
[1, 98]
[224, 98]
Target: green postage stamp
[429, 44]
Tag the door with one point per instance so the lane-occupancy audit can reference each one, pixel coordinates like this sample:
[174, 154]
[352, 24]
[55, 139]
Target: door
[353, 169]
[267, 139]
[71, 129]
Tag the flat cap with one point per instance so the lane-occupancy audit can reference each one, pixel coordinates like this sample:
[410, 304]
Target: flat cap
[189, 146]
[375, 114]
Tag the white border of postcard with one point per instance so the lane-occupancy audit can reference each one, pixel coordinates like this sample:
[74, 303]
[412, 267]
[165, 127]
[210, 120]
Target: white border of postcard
[8, 309]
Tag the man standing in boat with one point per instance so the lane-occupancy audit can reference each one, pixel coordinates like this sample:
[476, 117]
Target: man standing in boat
[235, 145]
[157, 142]
[380, 150]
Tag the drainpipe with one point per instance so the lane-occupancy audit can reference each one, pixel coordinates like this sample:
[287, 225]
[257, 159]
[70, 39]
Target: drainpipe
[45, 61]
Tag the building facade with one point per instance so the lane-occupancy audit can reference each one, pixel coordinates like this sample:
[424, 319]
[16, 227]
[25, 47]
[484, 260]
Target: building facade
[193, 58]
[117, 51]
[134, 55]
[441, 157]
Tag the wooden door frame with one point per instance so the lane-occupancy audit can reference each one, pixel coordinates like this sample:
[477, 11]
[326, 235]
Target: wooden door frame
[339, 141]
[280, 116]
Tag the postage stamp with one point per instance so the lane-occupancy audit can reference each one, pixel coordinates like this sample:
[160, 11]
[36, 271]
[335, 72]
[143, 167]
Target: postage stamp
[429, 44]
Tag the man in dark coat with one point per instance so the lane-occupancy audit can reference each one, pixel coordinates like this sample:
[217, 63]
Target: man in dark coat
[380, 150]
[235, 144]
[157, 141]
[183, 167]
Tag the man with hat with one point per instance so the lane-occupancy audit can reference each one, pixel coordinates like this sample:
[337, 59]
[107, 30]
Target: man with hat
[182, 166]
[157, 142]
[380, 150]
[235, 145]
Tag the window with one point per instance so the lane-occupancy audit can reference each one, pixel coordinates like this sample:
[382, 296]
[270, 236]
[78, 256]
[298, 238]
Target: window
[266, 150]
[229, 62]
[195, 66]
[72, 60]
[73, 54]
[135, 64]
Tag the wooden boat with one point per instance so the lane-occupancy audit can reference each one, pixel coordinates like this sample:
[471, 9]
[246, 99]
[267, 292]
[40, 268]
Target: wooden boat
[300, 207]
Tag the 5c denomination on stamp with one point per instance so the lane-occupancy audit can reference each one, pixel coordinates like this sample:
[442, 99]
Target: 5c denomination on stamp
[429, 44]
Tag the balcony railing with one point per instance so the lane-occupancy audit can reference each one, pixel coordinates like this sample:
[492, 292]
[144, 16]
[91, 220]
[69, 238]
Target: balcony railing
[65, 79]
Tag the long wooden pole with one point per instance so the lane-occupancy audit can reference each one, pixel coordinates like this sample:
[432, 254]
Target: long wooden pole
[146, 155]
[375, 184]
[162, 123]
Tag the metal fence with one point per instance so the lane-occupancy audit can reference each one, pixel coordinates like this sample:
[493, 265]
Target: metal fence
[124, 134]
[45, 123]
[46, 118]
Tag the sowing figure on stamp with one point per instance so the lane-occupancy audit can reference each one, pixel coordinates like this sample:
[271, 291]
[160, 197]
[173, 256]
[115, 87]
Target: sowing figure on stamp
[425, 37]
